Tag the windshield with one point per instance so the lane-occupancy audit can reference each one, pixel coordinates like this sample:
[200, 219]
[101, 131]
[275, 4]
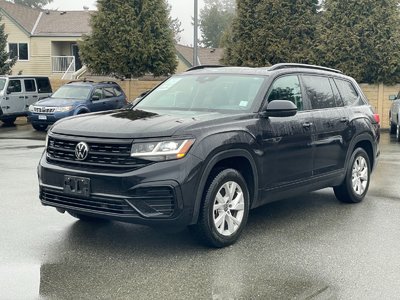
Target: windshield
[72, 92]
[205, 92]
[2, 83]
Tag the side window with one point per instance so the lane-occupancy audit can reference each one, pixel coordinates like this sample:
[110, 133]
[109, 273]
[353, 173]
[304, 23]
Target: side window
[30, 85]
[348, 92]
[43, 85]
[117, 91]
[319, 92]
[108, 92]
[97, 94]
[287, 88]
[14, 86]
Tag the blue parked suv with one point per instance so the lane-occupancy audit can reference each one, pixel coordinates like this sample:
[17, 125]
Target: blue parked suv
[74, 98]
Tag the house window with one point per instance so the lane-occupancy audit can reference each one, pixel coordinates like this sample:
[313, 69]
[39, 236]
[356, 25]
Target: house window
[19, 50]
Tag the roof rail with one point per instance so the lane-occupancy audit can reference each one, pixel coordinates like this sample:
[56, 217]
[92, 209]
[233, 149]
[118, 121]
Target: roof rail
[108, 82]
[83, 80]
[203, 67]
[292, 65]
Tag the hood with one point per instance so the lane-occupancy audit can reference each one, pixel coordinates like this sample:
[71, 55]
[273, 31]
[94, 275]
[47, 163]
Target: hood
[130, 123]
[58, 102]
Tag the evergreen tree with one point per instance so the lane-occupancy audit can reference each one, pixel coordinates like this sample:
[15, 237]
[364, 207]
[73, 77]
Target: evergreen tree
[5, 62]
[215, 19]
[361, 38]
[33, 3]
[272, 31]
[130, 38]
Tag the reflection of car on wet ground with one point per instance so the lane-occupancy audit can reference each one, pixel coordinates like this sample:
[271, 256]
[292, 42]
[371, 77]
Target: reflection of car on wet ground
[17, 93]
[76, 98]
[394, 117]
[206, 146]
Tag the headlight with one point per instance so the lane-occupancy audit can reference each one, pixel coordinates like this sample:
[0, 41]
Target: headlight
[63, 108]
[160, 151]
[31, 108]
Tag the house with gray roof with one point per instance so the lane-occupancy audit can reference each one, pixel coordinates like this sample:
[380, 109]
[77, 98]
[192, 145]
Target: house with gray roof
[44, 41]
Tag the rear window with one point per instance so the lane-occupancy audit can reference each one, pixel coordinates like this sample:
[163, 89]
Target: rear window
[319, 92]
[43, 85]
[349, 93]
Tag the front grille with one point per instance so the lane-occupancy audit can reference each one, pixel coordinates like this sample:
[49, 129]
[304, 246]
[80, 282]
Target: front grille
[109, 154]
[160, 199]
[95, 203]
[40, 109]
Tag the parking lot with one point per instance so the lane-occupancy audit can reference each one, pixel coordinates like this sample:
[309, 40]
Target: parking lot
[308, 247]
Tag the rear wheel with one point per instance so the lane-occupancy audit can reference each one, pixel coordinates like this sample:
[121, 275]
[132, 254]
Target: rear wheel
[398, 132]
[86, 218]
[39, 127]
[225, 209]
[356, 183]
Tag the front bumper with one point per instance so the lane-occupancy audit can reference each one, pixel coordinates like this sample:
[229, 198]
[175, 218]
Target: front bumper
[49, 118]
[157, 194]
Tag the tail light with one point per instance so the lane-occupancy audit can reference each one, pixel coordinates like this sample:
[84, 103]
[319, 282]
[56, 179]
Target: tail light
[377, 118]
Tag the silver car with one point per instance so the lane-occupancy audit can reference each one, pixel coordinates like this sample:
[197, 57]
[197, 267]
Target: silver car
[394, 117]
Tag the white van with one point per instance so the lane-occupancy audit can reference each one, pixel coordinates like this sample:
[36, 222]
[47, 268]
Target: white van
[17, 93]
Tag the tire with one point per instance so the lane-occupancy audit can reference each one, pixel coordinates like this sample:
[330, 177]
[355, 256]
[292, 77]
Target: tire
[85, 218]
[393, 128]
[223, 214]
[398, 132]
[9, 120]
[359, 172]
[39, 127]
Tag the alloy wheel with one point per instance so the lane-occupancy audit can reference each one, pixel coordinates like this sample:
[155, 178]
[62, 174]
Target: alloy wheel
[360, 176]
[228, 209]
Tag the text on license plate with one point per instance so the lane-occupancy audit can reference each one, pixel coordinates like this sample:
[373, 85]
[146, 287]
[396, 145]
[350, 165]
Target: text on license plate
[42, 117]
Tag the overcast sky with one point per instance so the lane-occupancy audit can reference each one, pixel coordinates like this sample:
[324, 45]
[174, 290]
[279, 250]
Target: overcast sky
[182, 9]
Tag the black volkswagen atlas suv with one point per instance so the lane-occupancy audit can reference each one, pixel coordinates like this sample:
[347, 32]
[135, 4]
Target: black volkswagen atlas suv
[205, 147]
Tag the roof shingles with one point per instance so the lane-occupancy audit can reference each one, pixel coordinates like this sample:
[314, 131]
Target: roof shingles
[48, 22]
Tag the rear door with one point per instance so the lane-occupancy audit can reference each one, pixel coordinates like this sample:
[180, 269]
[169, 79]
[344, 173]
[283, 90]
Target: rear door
[111, 98]
[331, 121]
[287, 148]
[31, 94]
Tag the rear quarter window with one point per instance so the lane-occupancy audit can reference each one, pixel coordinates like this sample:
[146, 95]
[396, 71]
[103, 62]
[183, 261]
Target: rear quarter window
[349, 94]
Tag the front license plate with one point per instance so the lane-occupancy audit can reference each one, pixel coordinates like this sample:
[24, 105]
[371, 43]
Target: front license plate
[42, 117]
[77, 185]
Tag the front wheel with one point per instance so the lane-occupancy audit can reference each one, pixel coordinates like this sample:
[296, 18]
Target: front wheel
[225, 209]
[9, 120]
[356, 183]
[39, 127]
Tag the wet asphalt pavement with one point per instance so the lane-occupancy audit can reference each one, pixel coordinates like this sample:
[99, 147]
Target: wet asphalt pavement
[308, 247]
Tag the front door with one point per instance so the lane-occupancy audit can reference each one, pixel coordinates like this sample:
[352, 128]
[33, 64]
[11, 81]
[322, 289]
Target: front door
[287, 144]
[14, 99]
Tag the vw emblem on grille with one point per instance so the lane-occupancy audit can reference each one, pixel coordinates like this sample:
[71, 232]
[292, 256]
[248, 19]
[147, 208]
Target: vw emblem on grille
[81, 151]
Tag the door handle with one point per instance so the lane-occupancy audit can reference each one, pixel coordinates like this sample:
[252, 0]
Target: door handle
[307, 124]
[21, 97]
[344, 120]
[34, 96]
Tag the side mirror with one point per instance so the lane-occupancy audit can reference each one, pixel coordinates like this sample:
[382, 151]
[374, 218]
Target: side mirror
[280, 108]
[392, 97]
[95, 98]
[10, 90]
